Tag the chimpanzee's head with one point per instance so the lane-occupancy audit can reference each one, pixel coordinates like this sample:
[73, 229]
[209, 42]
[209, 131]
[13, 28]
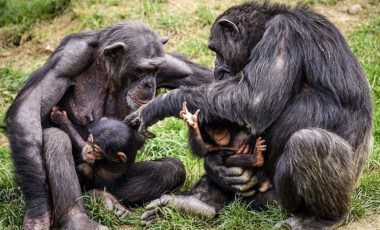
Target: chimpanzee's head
[236, 32]
[134, 55]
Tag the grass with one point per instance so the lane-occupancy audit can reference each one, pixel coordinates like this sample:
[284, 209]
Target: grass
[21, 15]
[188, 24]
[365, 43]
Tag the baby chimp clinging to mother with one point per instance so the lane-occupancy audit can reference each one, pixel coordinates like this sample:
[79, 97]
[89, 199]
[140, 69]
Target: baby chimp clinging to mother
[229, 140]
[106, 152]
[109, 155]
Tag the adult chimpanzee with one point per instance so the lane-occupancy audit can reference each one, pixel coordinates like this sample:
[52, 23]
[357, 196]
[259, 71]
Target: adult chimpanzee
[290, 74]
[110, 152]
[107, 72]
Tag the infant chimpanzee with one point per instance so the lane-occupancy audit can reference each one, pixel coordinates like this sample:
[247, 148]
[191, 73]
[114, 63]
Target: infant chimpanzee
[230, 137]
[106, 152]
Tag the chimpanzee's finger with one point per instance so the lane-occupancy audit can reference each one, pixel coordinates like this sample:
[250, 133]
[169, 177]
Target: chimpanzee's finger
[149, 220]
[242, 179]
[245, 187]
[248, 193]
[260, 142]
[150, 216]
[133, 119]
[182, 114]
[146, 133]
[197, 113]
[184, 107]
[121, 212]
[231, 172]
[147, 214]
[108, 204]
[160, 202]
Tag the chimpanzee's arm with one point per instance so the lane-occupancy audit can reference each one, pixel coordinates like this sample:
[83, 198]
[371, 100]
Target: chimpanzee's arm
[256, 96]
[60, 118]
[42, 91]
[248, 160]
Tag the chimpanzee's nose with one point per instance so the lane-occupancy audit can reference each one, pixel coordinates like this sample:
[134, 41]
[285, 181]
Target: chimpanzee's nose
[149, 84]
[90, 118]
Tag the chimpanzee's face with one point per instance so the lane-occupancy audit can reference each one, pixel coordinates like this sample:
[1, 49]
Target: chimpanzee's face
[92, 152]
[220, 136]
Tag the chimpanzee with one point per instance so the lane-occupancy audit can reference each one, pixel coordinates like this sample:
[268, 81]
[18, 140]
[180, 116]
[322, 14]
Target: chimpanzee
[227, 139]
[290, 75]
[226, 136]
[102, 73]
[109, 152]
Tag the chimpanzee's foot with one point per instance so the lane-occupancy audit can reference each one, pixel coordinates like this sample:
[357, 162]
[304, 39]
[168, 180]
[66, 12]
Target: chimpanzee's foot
[37, 223]
[310, 223]
[184, 204]
[82, 222]
[109, 201]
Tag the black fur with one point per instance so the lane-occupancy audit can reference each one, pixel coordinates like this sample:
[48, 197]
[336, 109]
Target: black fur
[106, 72]
[296, 83]
[113, 136]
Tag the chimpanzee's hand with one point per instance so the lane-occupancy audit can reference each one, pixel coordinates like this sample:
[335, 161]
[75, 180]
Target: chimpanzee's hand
[234, 179]
[135, 121]
[58, 116]
[109, 202]
[246, 147]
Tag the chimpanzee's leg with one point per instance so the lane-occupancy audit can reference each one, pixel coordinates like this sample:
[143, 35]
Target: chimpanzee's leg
[68, 210]
[204, 200]
[315, 176]
[149, 180]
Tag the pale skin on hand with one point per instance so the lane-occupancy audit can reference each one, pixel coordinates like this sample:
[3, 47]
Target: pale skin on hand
[190, 119]
[222, 137]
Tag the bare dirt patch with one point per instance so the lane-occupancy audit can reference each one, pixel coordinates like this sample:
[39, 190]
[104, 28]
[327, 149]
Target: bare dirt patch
[339, 15]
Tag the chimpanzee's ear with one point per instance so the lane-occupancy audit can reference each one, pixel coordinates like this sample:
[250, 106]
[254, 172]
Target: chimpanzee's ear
[229, 26]
[121, 156]
[164, 40]
[114, 51]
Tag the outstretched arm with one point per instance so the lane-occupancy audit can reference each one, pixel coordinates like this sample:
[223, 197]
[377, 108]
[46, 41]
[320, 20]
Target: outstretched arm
[197, 145]
[256, 96]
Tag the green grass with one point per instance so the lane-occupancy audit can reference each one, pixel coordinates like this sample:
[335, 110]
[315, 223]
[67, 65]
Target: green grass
[365, 43]
[21, 15]
[188, 26]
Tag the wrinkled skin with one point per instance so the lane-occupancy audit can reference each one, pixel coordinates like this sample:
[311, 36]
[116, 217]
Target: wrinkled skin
[107, 72]
[289, 74]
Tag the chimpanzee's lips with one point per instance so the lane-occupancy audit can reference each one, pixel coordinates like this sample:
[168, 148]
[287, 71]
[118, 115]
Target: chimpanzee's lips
[222, 138]
[140, 102]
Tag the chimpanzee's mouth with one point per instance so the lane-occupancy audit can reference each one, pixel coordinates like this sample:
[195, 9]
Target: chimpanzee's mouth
[140, 102]
[222, 138]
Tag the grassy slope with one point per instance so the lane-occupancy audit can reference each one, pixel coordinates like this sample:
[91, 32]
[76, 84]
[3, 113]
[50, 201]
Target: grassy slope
[187, 23]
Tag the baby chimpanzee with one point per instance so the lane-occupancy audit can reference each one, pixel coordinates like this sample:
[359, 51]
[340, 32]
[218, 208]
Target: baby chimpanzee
[107, 149]
[108, 152]
[229, 137]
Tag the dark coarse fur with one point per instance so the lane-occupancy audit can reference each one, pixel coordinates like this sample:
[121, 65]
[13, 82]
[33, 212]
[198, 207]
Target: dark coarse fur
[232, 128]
[290, 74]
[106, 72]
[114, 136]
